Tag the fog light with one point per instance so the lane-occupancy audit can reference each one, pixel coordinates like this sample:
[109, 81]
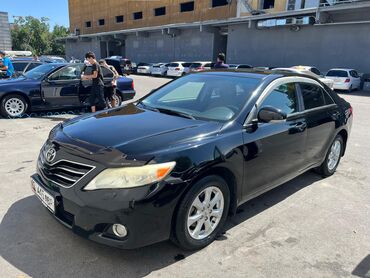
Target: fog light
[119, 230]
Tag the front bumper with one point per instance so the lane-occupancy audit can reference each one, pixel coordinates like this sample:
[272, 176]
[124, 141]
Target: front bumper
[91, 214]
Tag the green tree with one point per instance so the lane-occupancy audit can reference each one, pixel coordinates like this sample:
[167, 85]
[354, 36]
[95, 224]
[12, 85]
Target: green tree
[34, 34]
[56, 47]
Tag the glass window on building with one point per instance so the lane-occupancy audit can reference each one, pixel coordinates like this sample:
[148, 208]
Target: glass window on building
[119, 18]
[101, 22]
[88, 24]
[138, 15]
[187, 7]
[218, 3]
[160, 11]
[268, 4]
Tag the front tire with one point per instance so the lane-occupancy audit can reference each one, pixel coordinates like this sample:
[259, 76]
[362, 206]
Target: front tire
[13, 106]
[332, 159]
[202, 213]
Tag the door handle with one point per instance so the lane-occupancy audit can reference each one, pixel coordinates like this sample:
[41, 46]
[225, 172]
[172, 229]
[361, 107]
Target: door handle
[298, 127]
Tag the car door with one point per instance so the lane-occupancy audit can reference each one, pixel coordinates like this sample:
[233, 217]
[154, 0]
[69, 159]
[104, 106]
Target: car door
[274, 151]
[321, 114]
[356, 79]
[61, 88]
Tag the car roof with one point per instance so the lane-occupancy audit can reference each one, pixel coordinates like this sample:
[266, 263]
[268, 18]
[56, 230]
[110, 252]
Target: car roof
[253, 73]
[341, 69]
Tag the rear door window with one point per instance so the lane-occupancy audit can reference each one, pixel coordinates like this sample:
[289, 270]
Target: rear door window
[314, 96]
[284, 97]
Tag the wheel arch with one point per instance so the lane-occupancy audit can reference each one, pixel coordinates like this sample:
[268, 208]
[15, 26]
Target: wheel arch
[19, 93]
[344, 134]
[219, 171]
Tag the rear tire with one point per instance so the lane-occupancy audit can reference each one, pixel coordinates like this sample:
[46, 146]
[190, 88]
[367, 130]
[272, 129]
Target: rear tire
[118, 99]
[13, 106]
[332, 158]
[350, 89]
[200, 218]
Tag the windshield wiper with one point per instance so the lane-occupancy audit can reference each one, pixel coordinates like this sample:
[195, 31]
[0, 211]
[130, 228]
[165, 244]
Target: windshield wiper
[148, 107]
[176, 113]
[166, 111]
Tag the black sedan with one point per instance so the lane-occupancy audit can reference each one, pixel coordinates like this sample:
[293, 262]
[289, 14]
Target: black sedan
[178, 162]
[54, 86]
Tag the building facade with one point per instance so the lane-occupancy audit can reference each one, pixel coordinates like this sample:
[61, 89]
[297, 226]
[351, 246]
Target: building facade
[279, 33]
[5, 39]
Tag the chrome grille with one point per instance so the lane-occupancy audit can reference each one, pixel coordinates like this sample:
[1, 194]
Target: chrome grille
[63, 172]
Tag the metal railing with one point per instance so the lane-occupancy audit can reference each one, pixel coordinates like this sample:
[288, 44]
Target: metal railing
[326, 3]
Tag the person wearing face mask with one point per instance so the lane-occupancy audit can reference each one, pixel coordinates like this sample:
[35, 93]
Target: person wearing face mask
[97, 100]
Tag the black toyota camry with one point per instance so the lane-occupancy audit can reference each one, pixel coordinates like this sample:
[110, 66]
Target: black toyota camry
[175, 164]
[55, 86]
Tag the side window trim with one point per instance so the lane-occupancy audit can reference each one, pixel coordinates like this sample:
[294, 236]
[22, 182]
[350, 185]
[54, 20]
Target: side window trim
[279, 81]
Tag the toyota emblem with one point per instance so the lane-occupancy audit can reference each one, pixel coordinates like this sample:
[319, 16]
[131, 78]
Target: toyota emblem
[50, 154]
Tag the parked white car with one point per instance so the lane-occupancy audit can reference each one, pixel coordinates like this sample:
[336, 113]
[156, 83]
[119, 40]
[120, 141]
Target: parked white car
[144, 68]
[344, 79]
[159, 69]
[198, 66]
[176, 69]
[305, 70]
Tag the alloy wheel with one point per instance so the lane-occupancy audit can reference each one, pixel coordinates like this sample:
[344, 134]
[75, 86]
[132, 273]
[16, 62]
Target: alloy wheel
[14, 107]
[205, 213]
[334, 154]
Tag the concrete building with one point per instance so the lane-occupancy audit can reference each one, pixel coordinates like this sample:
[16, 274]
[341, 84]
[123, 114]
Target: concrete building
[5, 39]
[326, 34]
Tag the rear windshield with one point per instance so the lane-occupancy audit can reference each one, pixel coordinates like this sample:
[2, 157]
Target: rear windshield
[143, 64]
[186, 65]
[174, 65]
[195, 65]
[337, 73]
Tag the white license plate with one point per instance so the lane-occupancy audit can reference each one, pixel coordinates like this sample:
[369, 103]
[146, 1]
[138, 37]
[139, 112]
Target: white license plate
[46, 199]
[140, 70]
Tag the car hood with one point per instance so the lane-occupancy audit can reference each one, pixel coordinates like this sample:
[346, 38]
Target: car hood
[14, 80]
[134, 131]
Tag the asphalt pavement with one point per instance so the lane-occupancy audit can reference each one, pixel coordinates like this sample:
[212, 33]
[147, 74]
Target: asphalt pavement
[308, 227]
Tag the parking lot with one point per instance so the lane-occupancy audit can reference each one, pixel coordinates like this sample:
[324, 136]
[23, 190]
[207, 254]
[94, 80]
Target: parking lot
[309, 227]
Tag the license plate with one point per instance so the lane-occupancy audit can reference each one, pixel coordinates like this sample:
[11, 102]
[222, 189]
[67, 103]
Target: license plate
[46, 199]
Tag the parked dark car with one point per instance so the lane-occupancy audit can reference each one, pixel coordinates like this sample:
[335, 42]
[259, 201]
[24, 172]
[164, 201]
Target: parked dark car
[54, 86]
[177, 162]
[22, 66]
[122, 65]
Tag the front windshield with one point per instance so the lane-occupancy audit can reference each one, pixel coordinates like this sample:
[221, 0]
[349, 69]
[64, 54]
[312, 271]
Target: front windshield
[204, 96]
[40, 71]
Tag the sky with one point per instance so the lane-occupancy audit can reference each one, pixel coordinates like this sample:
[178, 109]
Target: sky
[55, 10]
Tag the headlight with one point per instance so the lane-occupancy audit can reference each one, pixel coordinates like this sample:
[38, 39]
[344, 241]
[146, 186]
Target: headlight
[129, 177]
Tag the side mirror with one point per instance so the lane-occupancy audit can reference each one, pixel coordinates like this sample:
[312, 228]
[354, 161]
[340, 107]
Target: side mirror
[269, 114]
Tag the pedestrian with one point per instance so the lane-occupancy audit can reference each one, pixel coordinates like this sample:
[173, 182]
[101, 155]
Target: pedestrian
[6, 65]
[220, 64]
[109, 94]
[97, 100]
